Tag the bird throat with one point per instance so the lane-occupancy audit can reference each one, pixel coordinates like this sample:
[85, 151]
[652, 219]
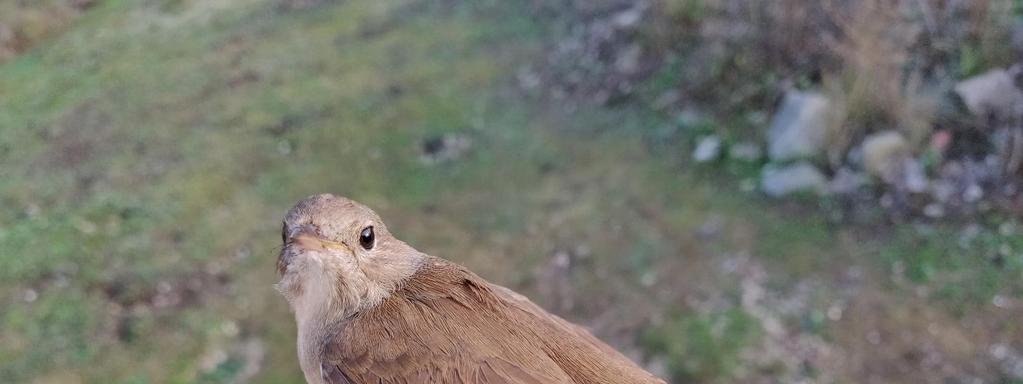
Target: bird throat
[325, 297]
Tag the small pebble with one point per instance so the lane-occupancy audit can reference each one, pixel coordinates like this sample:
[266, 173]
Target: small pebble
[30, 295]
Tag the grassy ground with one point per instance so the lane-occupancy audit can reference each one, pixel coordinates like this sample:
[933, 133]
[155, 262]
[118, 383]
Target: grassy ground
[149, 150]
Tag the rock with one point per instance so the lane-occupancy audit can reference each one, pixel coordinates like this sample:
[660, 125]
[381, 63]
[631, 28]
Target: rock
[690, 118]
[709, 149]
[846, 181]
[30, 295]
[528, 79]
[800, 128]
[628, 18]
[628, 59]
[802, 176]
[883, 153]
[973, 194]
[934, 211]
[992, 95]
[943, 190]
[712, 227]
[913, 176]
[745, 151]
[1010, 361]
[1008, 143]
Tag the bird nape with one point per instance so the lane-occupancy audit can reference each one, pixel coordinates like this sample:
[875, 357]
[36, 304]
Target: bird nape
[372, 309]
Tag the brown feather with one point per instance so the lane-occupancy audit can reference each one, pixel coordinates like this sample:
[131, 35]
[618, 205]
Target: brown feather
[444, 324]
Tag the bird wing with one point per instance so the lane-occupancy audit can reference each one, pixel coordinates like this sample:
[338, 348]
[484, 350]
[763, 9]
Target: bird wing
[447, 325]
[582, 339]
[584, 357]
[443, 326]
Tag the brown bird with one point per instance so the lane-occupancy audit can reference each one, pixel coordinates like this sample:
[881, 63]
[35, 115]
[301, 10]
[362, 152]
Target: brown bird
[372, 309]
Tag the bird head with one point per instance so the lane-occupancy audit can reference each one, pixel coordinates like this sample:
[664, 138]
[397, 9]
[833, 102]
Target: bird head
[337, 252]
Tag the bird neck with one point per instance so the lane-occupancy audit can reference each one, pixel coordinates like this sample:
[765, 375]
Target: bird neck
[328, 300]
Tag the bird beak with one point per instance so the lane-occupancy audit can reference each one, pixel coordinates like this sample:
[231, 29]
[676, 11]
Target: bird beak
[311, 242]
[306, 240]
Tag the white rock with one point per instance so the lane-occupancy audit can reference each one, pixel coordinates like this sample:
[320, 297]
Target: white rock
[973, 193]
[883, 152]
[991, 94]
[30, 295]
[780, 181]
[800, 128]
[628, 18]
[708, 149]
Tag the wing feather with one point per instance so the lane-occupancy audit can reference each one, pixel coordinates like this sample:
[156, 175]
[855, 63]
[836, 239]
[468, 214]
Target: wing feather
[447, 325]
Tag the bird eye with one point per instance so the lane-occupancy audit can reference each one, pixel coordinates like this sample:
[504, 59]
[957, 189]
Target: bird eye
[366, 238]
[284, 232]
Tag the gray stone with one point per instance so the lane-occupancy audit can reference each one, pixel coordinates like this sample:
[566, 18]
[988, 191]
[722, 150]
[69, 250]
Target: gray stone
[628, 59]
[943, 190]
[689, 117]
[781, 181]
[846, 181]
[883, 152]
[709, 149]
[800, 128]
[628, 18]
[934, 211]
[993, 94]
[914, 177]
[973, 193]
[528, 78]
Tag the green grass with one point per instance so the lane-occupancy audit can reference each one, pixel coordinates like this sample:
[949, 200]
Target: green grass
[964, 267]
[705, 348]
[152, 144]
[149, 151]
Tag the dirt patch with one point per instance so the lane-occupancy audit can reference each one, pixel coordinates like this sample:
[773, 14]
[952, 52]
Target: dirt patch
[24, 24]
[888, 339]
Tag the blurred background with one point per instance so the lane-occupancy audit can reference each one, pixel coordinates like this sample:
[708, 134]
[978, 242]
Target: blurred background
[728, 191]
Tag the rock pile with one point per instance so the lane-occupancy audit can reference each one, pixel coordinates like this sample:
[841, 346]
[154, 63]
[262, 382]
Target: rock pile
[934, 179]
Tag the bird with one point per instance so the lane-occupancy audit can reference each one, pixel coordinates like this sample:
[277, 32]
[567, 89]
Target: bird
[369, 308]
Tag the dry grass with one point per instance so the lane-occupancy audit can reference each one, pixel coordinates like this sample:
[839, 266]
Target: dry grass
[870, 83]
[894, 57]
